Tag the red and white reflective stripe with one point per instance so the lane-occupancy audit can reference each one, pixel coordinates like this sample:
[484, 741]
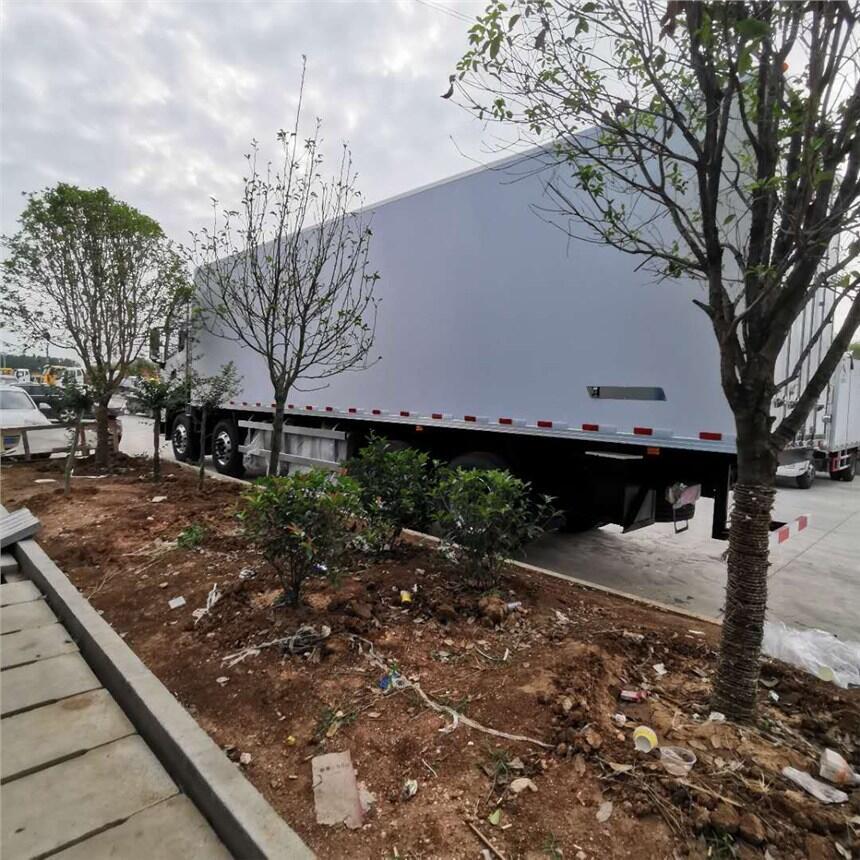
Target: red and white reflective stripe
[783, 533]
[708, 436]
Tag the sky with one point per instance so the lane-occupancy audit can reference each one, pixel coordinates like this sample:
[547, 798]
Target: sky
[158, 101]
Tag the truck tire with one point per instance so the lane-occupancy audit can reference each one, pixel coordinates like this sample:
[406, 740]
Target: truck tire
[847, 474]
[226, 456]
[184, 439]
[479, 460]
[805, 481]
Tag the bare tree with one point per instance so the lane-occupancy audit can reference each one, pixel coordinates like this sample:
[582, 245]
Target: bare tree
[210, 392]
[287, 274]
[718, 142]
[89, 273]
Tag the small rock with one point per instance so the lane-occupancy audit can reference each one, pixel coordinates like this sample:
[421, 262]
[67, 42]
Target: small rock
[521, 783]
[725, 818]
[593, 739]
[819, 848]
[751, 829]
[604, 811]
[222, 680]
[567, 704]
[159, 498]
[245, 758]
[176, 602]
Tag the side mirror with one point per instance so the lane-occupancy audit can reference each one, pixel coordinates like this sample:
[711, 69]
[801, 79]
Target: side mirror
[44, 407]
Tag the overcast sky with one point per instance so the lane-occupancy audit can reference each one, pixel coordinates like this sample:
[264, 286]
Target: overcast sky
[157, 101]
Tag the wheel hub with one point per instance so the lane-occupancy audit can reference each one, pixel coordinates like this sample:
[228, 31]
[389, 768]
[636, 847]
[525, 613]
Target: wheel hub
[180, 439]
[223, 447]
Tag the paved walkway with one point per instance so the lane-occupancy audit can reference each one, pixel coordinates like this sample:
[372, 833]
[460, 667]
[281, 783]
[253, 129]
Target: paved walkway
[76, 780]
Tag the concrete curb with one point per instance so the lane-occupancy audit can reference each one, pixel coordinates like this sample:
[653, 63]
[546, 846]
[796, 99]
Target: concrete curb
[584, 583]
[237, 812]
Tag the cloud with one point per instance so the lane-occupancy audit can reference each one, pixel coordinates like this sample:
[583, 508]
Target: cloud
[158, 101]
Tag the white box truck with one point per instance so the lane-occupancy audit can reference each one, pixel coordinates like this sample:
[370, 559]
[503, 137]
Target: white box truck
[505, 343]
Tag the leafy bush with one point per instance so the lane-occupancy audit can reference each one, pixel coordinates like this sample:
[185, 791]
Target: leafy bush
[487, 516]
[395, 487]
[301, 523]
[191, 536]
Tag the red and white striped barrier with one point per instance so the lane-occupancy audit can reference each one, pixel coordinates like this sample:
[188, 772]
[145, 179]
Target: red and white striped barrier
[784, 532]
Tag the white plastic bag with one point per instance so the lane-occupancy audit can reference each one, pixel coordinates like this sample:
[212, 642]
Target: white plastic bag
[825, 793]
[816, 651]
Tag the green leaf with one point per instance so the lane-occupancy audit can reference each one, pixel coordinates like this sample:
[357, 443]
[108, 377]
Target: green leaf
[495, 817]
[751, 28]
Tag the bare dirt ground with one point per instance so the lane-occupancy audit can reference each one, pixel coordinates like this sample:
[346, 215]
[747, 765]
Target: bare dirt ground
[551, 669]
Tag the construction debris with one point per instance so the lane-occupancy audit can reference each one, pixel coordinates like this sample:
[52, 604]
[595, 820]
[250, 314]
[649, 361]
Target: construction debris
[338, 797]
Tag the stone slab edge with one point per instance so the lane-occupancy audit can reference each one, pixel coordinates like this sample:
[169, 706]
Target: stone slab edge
[237, 812]
[421, 537]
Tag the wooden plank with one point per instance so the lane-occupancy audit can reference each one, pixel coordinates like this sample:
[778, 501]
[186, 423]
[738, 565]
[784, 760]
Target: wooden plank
[18, 592]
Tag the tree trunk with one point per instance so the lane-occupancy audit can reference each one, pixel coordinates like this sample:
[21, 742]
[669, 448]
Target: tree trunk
[102, 433]
[202, 463]
[73, 450]
[277, 435]
[156, 445]
[736, 683]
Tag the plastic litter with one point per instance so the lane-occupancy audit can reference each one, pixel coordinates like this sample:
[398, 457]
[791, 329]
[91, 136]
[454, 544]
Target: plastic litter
[834, 768]
[245, 758]
[176, 602]
[619, 719]
[405, 596]
[604, 811]
[644, 739]
[159, 498]
[815, 651]
[338, 797]
[410, 789]
[521, 783]
[222, 680]
[678, 761]
[820, 790]
[247, 573]
[514, 605]
[391, 681]
[634, 695]
[716, 717]
[211, 599]
[659, 670]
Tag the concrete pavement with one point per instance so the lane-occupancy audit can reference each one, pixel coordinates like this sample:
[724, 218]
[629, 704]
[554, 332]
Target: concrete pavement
[814, 580]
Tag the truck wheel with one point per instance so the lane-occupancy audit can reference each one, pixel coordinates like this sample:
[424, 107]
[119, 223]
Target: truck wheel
[479, 460]
[847, 474]
[226, 456]
[183, 438]
[805, 481]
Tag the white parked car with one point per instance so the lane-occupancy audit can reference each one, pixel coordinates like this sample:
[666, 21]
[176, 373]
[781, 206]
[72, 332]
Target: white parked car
[17, 409]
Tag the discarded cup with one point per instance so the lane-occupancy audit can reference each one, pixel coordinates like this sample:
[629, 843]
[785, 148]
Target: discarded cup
[825, 673]
[644, 739]
[678, 761]
[634, 695]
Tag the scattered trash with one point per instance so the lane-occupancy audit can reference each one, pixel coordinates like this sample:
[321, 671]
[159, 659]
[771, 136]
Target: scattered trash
[245, 758]
[306, 639]
[834, 768]
[619, 720]
[696, 632]
[410, 789]
[211, 599]
[716, 717]
[159, 498]
[659, 669]
[842, 851]
[561, 617]
[620, 768]
[163, 584]
[45, 481]
[567, 704]
[495, 817]
[176, 602]
[773, 696]
[644, 739]
[291, 740]
[521, 783]
[820, 790]
[604, 811]
[815, 651]
[247, 573]
[770, 683]
[516, 763]
[222, 680]
[634, 695]
[514, 605]
[633, 637]
[678, 761]
[392, 680]
[405, 596]
[338, 797]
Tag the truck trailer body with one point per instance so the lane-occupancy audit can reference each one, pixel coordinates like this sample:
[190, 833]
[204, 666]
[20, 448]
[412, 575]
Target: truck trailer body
[501, 341]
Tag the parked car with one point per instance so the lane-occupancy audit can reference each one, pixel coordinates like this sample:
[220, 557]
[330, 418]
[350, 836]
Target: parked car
[53, 396]
[18, 409]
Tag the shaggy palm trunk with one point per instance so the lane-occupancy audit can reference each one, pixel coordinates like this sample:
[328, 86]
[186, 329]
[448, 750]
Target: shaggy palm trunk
[277, 436]
[102, 433]
[736, 683]
[73, 450]
[201, 471]
[156, 445]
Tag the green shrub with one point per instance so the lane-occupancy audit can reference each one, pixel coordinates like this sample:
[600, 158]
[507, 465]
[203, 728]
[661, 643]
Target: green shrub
[191, 536]
[396, 491]
[301, 524]
[486, 516]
